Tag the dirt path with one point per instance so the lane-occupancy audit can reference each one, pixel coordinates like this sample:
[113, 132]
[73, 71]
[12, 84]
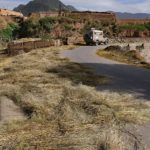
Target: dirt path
[9, 110]
[126, 78]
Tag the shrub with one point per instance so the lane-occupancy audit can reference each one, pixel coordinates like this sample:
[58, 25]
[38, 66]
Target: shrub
[46, 24]
[96, 24]
[74, 17]
[15, 29]
[10, 32]
[46, 38]
[29, 28]
[65, 20]
[67, 27]
[105, 23]
[6, 33]
[137, 27]
[73, 29]
[12, 25]
[36, 27]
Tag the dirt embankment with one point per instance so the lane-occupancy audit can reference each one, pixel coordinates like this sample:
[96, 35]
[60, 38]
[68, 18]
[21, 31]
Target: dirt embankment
[134, 33]
[145, 53]
[4, 21]
[135, 54]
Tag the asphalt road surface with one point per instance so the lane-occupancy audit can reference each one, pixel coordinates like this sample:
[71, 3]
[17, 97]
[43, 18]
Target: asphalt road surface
[125, 78]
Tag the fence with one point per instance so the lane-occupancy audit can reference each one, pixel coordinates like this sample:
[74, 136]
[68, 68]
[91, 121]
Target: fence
[17, 47]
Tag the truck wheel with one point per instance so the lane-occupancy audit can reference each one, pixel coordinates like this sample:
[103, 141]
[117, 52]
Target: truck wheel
[87, 44]
[97, 43]
[106, 42]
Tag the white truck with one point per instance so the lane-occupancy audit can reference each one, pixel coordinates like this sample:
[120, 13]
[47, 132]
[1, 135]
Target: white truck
[95, 37]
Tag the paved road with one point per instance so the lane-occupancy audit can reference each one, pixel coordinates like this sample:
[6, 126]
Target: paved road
[126, 78]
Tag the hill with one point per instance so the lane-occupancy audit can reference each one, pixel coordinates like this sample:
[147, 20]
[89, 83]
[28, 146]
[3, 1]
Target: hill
[126, 15]
[40, 5]
[72, 8]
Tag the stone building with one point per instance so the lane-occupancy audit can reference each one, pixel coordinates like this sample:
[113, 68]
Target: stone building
[92, 15]
[51, 14]
[81, 15]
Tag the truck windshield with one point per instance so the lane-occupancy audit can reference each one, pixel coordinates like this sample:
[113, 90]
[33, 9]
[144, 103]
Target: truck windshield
[98, 33]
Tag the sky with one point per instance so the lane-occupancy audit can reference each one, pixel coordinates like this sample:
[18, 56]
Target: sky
[134, 6]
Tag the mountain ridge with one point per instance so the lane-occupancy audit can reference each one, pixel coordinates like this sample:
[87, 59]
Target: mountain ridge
[127, 15]
[46, 5]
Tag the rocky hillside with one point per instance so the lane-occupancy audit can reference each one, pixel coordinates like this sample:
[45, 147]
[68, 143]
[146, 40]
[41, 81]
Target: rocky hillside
[40, 5]
[72, 8]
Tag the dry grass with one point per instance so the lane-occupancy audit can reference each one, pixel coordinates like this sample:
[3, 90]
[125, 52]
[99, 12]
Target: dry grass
[129, 57]
[3, 23]
[64, 109]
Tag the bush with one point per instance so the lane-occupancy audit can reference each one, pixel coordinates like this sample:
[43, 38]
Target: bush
[74, 17]
[74, 29]
[15, 29]
[12, 25]
[6, 33]
[96, 24]
[46, 38]
[105, 23]
[65, 20]
[36, 27]
[46, 24]
[10, 32]
[67, 27]
[137, 27]
[29, 28]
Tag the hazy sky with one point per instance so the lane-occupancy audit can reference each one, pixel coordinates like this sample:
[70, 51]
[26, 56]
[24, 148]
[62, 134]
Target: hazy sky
[97, 5]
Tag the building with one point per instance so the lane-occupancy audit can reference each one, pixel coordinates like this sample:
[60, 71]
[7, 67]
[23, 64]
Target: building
[81, 15]
[92, 15]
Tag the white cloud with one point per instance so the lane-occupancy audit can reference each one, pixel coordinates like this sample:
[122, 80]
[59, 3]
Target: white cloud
[96, 5]
[10, 4]
[113, 5]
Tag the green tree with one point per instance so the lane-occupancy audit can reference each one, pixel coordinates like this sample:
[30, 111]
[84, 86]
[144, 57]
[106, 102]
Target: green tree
[29, 28]
[46, 24]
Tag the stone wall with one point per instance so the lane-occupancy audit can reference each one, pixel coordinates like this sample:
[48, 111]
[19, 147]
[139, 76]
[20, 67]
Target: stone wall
[92, 15]
[17, 47]
[48, 14]
[75, 40]
[51, 14]
[81, 15]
